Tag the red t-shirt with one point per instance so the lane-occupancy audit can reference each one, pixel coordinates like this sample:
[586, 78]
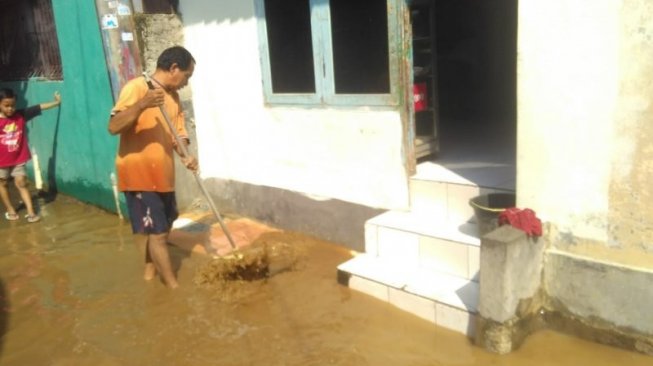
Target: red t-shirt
[14, 149]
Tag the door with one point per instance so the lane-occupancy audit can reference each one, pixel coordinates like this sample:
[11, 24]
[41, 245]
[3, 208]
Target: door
[425, 95]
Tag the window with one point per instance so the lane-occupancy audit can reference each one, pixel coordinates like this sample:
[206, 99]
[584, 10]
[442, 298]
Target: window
[28, 41]
[160, 6]
[334, 52]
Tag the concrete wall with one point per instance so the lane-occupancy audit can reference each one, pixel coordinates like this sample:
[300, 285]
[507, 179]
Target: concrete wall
[584, 146]
[584, 156]
[349, 154]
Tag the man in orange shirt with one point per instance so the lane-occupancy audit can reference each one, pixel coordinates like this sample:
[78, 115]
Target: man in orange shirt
[145, 162]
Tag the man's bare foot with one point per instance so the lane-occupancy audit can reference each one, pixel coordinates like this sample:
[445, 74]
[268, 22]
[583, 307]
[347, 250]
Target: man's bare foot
[150, 271]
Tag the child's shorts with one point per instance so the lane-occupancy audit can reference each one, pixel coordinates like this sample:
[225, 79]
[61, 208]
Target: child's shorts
[151, 212]
[14, 171]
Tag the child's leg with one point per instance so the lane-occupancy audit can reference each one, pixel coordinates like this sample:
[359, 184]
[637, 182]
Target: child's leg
[21, 184]
[4, 195]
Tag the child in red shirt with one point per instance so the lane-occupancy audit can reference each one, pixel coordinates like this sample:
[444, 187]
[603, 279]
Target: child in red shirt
[14, 150]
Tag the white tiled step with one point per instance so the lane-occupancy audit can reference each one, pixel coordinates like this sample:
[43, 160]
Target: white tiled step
[426, 225]
[413, 240]
[442, 299]
[449, 201]
[442, 192]
[498, 175]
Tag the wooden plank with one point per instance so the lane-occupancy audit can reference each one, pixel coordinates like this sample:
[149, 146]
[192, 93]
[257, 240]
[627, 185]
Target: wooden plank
[121, 49]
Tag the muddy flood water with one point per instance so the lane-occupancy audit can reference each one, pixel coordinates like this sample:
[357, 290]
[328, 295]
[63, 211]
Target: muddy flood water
[72, 293]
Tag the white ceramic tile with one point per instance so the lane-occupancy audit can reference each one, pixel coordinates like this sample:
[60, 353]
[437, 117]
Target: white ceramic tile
[455, 319]
[444, 256]
[369, 287]
[386, 272]
[416, 305]
[444, 288]
[371, 239]
[426, 225]
[436, 172]
[428, 197]
[400, 246]
[458, 197]
[474, 262]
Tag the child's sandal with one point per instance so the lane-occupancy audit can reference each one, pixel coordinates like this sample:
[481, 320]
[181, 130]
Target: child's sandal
[33, 218]
[11, 216]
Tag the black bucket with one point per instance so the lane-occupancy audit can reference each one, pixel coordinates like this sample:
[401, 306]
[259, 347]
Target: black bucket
[488, 207]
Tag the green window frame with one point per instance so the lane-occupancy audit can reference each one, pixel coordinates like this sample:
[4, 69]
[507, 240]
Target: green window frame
[324, 65]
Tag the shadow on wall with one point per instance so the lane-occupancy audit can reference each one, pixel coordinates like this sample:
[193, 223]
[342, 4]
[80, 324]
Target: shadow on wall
[52, 162]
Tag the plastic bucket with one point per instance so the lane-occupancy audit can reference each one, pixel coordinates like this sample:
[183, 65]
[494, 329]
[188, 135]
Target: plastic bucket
[488, 207]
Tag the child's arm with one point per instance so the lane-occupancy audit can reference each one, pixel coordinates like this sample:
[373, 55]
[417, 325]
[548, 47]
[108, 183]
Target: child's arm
[55, 103]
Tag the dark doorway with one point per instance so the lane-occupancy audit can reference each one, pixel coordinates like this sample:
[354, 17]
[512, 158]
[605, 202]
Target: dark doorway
[473, 49]
[476, 61]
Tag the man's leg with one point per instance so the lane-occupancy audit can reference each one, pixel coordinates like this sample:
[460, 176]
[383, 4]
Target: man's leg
[157, 245]
[144, 248]
[152, 213]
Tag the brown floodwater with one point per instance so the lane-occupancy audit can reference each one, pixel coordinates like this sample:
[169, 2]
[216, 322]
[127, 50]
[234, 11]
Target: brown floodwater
[72, 294]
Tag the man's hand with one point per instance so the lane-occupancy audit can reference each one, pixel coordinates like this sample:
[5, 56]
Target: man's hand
[124, 120]
[153, 98]
[190, 162]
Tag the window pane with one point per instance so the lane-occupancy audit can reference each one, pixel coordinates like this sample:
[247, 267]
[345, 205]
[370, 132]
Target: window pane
[290, 45]
[28, 41]
[359, 31]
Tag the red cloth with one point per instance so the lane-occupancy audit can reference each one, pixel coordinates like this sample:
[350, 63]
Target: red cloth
[420, 96]
[522, 219]
[13, 141]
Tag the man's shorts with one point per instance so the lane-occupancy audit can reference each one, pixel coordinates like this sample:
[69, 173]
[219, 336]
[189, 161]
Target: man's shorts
[151, 212]
[14, 171]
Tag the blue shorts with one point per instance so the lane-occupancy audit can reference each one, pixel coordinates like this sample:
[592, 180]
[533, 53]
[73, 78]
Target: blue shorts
[151, 212]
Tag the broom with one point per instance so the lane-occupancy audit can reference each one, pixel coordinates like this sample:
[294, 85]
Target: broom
[198, 179]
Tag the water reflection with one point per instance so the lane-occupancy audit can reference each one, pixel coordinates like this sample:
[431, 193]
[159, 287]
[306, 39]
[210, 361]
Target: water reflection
[73, 294]
[4, 314]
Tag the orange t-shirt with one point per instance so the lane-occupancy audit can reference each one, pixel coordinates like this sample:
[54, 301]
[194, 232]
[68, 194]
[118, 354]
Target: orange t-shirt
[145, 159]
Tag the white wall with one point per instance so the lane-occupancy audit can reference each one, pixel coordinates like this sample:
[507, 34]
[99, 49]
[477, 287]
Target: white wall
[352, 154]
[568, 72]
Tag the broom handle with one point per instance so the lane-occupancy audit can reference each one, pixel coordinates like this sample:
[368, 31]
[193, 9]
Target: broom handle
[184, 151]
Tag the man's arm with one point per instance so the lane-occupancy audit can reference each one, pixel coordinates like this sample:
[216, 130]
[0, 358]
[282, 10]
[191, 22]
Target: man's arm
[124, 120]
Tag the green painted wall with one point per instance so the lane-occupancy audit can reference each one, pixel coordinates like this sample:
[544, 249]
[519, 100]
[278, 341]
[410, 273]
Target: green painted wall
[75, 150]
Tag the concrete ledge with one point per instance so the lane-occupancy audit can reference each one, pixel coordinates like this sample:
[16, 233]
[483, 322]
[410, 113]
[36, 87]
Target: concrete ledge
[617, 294]
[604, 302]
[333, 220]
[511, 271]
[525, 288]
[510, 279]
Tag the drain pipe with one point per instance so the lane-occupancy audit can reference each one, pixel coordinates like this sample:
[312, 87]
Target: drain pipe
[114, 186]
[38, 179]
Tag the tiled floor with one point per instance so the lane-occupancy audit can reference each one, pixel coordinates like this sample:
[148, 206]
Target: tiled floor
[471, 155]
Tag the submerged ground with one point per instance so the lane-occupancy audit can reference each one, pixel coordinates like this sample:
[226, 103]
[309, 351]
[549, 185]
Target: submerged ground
[72, 294]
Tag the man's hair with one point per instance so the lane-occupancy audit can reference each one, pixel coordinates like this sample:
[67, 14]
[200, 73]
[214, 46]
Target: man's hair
[6, 93]
[175, 55]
